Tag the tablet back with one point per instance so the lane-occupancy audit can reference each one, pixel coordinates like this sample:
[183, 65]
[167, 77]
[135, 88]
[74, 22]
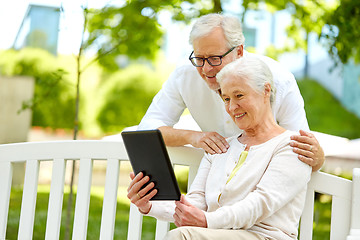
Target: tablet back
[148, 154]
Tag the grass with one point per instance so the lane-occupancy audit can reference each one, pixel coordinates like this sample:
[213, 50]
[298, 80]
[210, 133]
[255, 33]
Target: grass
[321, 219]
[325, 113]
[121, 219]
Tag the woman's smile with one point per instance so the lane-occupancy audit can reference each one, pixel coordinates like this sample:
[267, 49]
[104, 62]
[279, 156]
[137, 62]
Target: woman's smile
[236, 116]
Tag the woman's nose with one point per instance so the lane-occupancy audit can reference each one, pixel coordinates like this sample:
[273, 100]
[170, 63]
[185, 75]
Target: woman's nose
[233, 106]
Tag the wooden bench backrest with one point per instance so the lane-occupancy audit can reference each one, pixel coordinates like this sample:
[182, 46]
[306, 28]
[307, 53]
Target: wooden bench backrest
[86, 151]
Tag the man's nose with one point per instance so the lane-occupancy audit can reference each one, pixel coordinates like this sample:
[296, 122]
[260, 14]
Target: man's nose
[207, 67]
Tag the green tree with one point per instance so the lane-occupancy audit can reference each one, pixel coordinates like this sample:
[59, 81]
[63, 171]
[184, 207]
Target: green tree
[52, 85]
[344, 33]
[306, 17]
[133, 29]
[336, 22]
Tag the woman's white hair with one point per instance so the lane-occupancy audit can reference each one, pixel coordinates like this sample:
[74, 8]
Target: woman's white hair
[253, 70]
[231, 27]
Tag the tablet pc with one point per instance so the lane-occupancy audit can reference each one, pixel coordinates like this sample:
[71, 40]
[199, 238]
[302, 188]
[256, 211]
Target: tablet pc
[148, 154]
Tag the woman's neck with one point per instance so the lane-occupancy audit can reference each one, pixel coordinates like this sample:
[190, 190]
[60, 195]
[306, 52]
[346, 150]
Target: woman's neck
[260, 133]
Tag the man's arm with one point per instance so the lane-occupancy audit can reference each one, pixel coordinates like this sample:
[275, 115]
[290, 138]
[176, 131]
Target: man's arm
[166, 109]
[211, 142]
[167, 105]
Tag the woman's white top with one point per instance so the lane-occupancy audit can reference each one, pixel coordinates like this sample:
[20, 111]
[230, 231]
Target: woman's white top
[266, 195]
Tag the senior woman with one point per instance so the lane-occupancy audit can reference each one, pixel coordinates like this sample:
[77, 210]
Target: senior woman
[256, 190]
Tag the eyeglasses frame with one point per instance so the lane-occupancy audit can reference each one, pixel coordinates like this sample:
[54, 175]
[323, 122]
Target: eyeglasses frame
[207, 59]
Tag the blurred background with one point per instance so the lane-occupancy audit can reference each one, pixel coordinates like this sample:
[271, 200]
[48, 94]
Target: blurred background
[88, 69]
[76, 69]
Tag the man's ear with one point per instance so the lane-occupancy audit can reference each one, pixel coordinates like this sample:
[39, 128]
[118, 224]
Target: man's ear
[240, 51]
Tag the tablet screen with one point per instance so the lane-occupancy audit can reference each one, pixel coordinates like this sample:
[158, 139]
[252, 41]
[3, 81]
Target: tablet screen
[148, 154]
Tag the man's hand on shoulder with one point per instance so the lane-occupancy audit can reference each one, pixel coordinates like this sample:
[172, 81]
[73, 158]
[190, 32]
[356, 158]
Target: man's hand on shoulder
[309, 149]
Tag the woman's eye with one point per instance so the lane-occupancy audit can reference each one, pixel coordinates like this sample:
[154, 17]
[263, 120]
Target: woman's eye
[239, 95]
[226, 99]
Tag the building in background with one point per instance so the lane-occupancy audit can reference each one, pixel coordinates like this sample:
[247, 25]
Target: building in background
[39, 28]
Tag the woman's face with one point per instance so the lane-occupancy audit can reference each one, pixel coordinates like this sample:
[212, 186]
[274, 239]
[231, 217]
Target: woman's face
[246, 106]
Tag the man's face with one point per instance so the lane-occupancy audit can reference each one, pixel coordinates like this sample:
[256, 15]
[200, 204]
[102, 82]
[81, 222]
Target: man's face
[214, 44]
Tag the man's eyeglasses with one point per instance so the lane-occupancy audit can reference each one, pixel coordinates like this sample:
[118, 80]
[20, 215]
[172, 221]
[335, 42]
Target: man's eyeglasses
[213, 60]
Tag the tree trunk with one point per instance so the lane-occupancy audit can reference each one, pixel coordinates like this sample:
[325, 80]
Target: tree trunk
[217, 6]
[306, 67]
[76, 128]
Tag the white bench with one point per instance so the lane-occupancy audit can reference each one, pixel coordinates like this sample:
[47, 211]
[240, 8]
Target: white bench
[345, 221]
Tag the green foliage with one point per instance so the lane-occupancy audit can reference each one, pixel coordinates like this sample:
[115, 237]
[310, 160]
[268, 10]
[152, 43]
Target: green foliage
[109, 101]
[52, 104]
[123, 31]
[182, 173]
[306, 17]
[344, 33]
[336, 22]
[133, 29]
[127, 94]
[325, 113]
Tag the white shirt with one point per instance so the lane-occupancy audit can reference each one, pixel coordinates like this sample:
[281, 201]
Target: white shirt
[266, 195]
[186, 89]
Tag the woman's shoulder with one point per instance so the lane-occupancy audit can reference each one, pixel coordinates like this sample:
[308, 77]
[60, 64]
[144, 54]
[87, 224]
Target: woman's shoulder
[285, 137]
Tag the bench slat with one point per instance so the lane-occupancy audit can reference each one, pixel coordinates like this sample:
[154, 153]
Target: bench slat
[28, 204]
[82, 199]
[340, 221]
[330, 184]
[53, 221]
[6, 170]
[307, 217]
[135, 223]
[110, 199]
[162, 228]
[355, 207]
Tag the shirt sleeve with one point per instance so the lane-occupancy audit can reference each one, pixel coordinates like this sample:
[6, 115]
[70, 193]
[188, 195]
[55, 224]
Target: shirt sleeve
[164, 210]
[196, 194]
[279, 185]
[167, 106]
[291, 113]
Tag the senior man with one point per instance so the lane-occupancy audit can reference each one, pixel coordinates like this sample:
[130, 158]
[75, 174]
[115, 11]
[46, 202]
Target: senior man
[218, 40]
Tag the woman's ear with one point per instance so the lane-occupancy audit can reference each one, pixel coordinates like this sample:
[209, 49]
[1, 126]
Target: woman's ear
[267, 89]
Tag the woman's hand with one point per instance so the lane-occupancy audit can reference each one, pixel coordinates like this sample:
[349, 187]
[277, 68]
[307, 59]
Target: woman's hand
[188, 215]
[309, 149]
[141, 197]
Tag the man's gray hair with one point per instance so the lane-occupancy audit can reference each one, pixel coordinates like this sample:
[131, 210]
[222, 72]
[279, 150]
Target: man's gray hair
[253, 70]
[230, 25]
